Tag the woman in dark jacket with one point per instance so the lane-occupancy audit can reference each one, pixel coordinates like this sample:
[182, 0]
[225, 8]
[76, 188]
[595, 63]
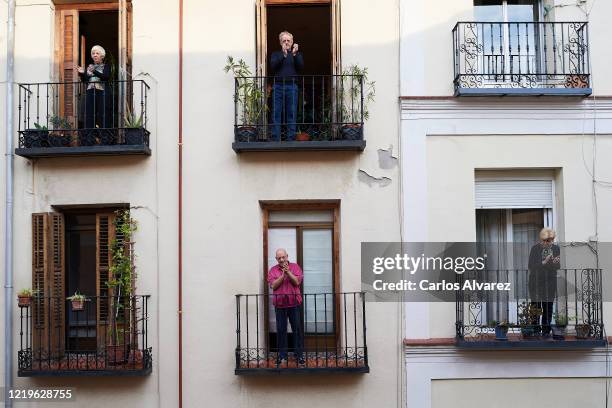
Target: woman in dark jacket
[544, 261]
[96, 76]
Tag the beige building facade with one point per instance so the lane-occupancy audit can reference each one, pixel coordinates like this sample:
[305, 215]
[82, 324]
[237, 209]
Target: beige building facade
[201, 197]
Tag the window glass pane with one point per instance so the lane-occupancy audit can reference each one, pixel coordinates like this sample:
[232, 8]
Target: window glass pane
[488, 10]
[318, 280]
[522, 10]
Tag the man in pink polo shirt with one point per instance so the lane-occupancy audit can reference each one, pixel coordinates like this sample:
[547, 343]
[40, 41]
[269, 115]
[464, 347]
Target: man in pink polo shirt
[285, 279]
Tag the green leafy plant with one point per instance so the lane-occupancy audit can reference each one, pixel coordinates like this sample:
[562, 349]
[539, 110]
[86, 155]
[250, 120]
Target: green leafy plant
[528, 314]
[59, 122]
[77, 297]
[26, 292]
[561, 319]
[122, 268]
[352, 92]
[249, 94]
[501, 323]
[40, 127]
[132, 121]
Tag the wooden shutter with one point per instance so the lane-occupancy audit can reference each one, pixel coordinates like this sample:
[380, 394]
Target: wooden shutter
[68, 54]
[336, 30]
[261, 37]
[48, 280]
[105, 234]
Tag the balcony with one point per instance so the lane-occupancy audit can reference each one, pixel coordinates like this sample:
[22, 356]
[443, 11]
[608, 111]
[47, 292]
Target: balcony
[334, 326]
[58, 339]
[68, 119]
[529, 58]
[314, 112]
[574, 299]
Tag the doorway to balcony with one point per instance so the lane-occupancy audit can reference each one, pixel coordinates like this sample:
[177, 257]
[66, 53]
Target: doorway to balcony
[511, 51]
[307, 108]
[76, 104]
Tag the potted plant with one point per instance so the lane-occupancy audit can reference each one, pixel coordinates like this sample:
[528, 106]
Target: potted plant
[249, 97]
[24, 297]
[121, 283]
[560, 326]
[61, 134]
[583, 331]
[78, 301]
[36, 137]
[355, 87]
[134, 132]
[501, 329]
[302, 136]
[528, 316]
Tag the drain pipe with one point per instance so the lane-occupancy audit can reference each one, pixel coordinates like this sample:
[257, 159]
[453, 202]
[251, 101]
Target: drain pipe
[180, 209]
[8, 219]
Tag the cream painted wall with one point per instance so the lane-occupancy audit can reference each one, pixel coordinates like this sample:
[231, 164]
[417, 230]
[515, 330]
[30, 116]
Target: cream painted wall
[450, 195]
[147, 184]
[427, 48]
[526, 392]
[223, 219]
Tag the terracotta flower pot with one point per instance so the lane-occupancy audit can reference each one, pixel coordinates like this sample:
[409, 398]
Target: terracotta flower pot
[24, 301]
[78, 305]
[302, 137]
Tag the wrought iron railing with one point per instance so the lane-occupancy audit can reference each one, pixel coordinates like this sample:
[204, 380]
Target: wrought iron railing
[302, 108]
[102, 336]
[74, 114]
[521, 56]
[333, 328]
[566, 305]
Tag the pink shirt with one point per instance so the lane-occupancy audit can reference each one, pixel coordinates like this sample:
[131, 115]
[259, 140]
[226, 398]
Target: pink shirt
[287, 294]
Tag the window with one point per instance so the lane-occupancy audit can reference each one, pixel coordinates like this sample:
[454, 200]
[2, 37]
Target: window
[508, 48]
[509, 217]
[71, 251]
[308, 236]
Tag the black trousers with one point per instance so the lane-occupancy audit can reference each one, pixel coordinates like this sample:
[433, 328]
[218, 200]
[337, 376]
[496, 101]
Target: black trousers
[97, 113]
[547, 311]
[293, 314]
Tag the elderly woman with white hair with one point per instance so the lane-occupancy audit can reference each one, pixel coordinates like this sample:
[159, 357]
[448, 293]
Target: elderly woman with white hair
[97, 105]
[544, 261]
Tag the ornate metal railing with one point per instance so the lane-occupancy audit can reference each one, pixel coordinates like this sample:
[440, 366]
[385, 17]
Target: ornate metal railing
[102, 336]
[301, 108]
[333, 334]
[565, 306]
[519, 58]
[78, 114]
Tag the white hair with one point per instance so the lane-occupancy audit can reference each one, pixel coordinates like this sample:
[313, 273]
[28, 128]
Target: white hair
[101, 50]
[280, 36]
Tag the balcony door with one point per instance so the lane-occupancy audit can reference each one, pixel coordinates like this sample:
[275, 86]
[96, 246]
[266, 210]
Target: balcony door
[510, 50]
[509, 217]
[78, 27]
[71, 251]
[309, 238]
[315, 27]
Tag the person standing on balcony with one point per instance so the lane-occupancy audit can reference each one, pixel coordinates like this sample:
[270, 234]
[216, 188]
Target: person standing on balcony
[97, 109]
[285, 66]
[285, 279]
[544, 261]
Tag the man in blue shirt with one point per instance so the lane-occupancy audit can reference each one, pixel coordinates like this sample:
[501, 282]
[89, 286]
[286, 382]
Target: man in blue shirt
[285, 65]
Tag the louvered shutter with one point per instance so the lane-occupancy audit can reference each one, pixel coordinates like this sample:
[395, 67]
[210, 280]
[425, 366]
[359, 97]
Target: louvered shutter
[48, 279]
[105, 233]
[514, 194]
[69, 49]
